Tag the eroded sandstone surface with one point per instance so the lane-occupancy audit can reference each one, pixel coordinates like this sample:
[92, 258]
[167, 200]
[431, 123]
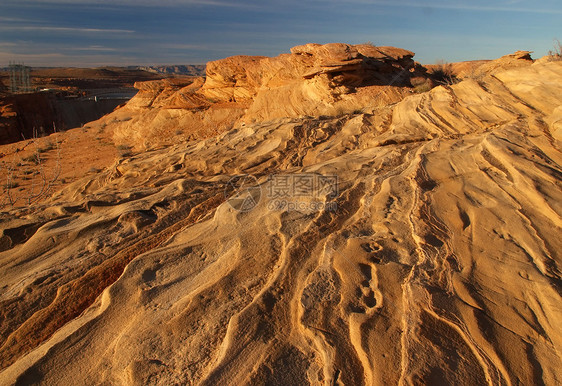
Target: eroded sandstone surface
[436, 260]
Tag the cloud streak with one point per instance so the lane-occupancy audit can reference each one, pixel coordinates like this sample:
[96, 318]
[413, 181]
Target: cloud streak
[484, 8]
[146, 3]
[4, 19]
[452, 6]
[94, 48]
[66, 29]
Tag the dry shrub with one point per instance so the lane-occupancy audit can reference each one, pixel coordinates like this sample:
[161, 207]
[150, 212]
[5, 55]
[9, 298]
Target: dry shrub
[556, 52]
[443, 73]
[41, 180]
[422, 87]
[125, 151]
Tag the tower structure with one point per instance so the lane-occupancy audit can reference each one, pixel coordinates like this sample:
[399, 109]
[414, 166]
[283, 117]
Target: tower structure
[19, 78]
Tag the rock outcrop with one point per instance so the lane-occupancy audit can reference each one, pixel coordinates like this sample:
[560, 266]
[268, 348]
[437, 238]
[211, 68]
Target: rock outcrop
[517, 59]
[474, 69]
[332, 69]
[168, 111]
[312, 80]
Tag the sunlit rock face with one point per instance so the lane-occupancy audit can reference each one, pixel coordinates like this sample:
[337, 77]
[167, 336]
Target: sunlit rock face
[312, 80]
[427, 250]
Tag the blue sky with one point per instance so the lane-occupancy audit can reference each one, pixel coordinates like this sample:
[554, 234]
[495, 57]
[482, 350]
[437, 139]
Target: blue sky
[125, 32]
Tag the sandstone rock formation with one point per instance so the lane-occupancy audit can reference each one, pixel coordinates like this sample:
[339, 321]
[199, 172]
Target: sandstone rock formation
[517, 59]
[163, 109]
[313, 80]
[475, 69]
[435, 261]
[326, 71]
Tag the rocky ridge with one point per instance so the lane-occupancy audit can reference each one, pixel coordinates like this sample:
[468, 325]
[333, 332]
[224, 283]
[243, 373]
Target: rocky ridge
[435, 261]
[313, 80]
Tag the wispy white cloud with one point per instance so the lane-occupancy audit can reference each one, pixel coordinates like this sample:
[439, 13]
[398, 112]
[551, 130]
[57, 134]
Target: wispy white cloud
[7, 55]
[94, 48]
[212, 3]
[4, 19]
[173, 46]
[47, 55]
[485, 8]
[212, 47]
[65, 60]
[64, 29]
[501, 6]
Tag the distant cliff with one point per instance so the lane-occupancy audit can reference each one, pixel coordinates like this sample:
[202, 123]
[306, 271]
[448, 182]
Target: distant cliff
[22, 114]
[188, 69]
